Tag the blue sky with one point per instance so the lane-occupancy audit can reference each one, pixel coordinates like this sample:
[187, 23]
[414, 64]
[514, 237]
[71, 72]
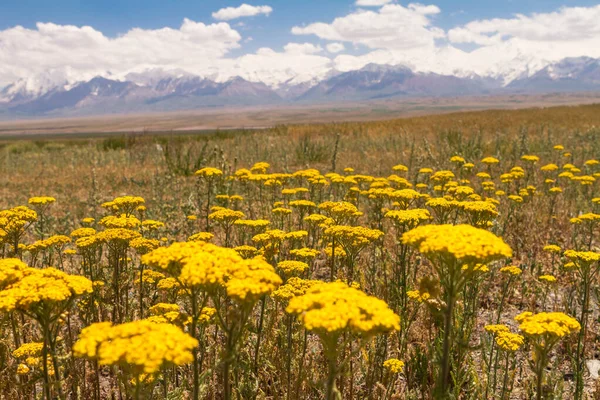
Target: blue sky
[44, 42]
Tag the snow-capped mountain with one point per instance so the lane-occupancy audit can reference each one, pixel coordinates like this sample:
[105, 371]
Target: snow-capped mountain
[159, 90]
[570, 74]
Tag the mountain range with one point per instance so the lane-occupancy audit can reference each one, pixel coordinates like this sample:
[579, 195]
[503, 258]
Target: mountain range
[157, 90]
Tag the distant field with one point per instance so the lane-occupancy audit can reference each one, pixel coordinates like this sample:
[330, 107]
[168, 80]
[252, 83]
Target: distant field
[203, 121]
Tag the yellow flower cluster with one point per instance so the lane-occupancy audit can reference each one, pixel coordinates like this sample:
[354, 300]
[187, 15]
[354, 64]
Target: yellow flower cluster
[209, 173]
[33, 349]
[547, 324]
[246, 251]
[144, 245]
[83, 232]
[201, 237]
[583, 257]
[511, 270]
[408, 218]
[121, 221]
[226, 216]
[418, 296]
[330, 308]
[304, 253]
[293, 287]
[547, 278]
[200, 264]
[292, 267]
[48, 286]
[11, 270]
[253, 223]
[52, 241]
[463, 244]
[41, 200]
[353, 236]
[496, 329]
[393, 365]
[509, 341]
[139, 346]
[340, 211]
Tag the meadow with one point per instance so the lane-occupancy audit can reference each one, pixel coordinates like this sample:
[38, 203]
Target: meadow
[447, 256]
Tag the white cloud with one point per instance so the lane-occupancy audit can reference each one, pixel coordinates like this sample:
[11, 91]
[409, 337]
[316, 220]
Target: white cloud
[335, 47]
[51, 55]
[296, 64]
[567, 24]
[391, 27]
[302, 48]
[245, 10]
[67, 53]
[524, 44]
[372, 3]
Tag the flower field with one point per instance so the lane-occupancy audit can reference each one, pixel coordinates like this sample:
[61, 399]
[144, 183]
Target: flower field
[443, 257]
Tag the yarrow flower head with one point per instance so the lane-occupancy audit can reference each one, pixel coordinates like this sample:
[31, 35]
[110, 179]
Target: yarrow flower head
[331, 308]
[547, 327]
[47, 287]
[138, 347]
[393, 365]
[460, 244]
[511, 270]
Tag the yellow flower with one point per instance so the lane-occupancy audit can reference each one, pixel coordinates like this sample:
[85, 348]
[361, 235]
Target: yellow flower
[418, 296]
[41, 201]
[201, 237]
[293, 287]
[122, 221]
[393, 365]
[330, 308]
[292, 267]
[408, 218]
[48, 286]
[548, 325]
[508, 341]
[530, 158]
[226, 216]
[209, 173]
[461, 244]
[139, 346]
[200, 264]
[143, 245]
[496, 329]
[304, 253]
[583, 257]
[83, 232]
[22, 369]
[11, 270]
[490, 160]
[33, 349]
[547, 278]
[511, 270]
[552, 248]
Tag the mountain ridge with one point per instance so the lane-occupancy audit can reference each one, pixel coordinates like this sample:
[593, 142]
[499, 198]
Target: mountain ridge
[159, 90]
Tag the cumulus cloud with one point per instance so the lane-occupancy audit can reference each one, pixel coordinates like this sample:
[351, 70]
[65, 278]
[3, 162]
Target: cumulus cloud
[567, 24]
[298, 63]
[372, 3]
[73, 52]
[245, 10]
[51, 55]
[506, 48]
[391, 27]
[335, 47]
